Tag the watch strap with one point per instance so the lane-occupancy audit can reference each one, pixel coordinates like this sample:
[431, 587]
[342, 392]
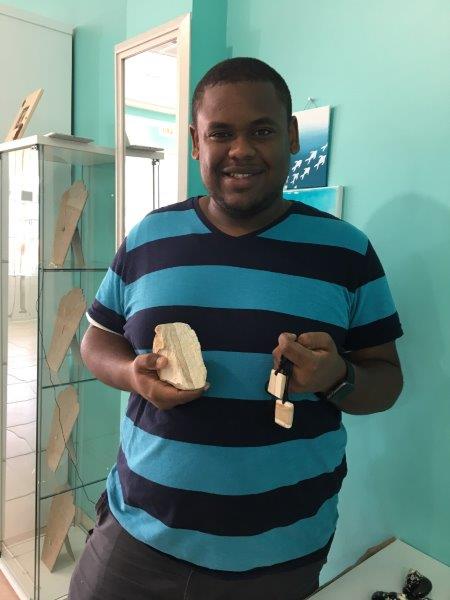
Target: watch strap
[344, 387]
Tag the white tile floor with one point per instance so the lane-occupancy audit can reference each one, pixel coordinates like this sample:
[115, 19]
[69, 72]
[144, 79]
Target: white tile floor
[16, 444]
[20, 559]
[19, 477]
[20, 412]
[20, 470]
[20, 428]
[21, 392]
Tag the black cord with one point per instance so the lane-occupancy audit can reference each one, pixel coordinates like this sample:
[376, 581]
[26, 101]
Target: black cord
[285, 367]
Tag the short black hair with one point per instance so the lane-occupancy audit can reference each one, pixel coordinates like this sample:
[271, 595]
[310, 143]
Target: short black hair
[240, 69]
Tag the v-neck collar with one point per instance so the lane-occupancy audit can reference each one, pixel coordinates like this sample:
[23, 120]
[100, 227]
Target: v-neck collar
[204, 219]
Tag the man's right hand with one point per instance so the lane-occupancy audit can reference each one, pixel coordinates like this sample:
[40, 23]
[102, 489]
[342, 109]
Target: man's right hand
[112, 360]
[144, 381]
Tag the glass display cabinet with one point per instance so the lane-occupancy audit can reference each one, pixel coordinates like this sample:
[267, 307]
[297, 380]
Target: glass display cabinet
[59, 425]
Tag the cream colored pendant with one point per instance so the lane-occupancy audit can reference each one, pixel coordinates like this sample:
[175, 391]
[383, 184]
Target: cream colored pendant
[284, 413]
[277, 383]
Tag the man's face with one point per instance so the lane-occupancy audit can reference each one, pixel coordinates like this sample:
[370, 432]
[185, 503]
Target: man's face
[243, 142]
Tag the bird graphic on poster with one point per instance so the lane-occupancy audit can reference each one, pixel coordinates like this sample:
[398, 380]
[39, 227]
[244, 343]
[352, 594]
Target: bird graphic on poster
[305, 172]
[323, 148]
[320, 162]
[312, 156]
[295, 177]
[297, 165]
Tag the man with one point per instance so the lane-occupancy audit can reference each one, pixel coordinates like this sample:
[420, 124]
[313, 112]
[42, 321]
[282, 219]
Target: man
[210, 498]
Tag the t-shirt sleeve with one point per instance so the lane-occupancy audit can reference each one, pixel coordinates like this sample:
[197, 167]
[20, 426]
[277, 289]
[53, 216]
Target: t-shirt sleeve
[107, 310]
[373, 318]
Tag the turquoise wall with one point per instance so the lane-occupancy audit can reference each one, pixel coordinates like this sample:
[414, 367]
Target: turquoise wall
[145, 14]
[384, 68]
[100, 27]
[208, 47]
[149, 114]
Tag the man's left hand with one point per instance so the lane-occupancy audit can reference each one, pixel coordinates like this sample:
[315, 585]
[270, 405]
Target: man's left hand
[317, 365]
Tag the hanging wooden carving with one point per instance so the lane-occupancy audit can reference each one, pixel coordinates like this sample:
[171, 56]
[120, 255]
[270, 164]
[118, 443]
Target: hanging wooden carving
[66, 232]
[64, 417]
[60, 518]
[70, 312]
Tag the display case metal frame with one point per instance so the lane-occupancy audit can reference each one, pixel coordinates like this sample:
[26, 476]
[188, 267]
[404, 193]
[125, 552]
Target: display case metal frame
[84, 155]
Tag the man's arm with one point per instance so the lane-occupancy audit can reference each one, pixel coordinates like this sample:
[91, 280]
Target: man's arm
[378, 380]
[113, 361]
[319, 368]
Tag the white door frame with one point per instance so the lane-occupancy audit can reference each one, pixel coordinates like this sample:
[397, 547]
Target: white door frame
[179, 28]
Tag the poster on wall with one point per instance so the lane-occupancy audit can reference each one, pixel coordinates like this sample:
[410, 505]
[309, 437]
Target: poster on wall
[328, 199]
[309, 167]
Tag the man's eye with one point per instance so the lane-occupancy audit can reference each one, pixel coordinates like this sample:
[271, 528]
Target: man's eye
[219, 134]
[263, 132]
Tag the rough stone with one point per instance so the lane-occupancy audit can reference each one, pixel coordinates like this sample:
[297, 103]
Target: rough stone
[178, 342]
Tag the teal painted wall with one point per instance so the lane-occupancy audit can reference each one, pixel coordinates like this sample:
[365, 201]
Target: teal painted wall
[143, 15]
[149, 114]
[208, 47]
[382, 66]
[100, 27]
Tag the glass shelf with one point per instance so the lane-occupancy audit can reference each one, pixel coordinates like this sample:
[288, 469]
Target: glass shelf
[74, 270]
[58, 385]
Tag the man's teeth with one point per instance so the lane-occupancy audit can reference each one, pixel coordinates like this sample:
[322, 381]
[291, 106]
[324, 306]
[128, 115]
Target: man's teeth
[240, 175]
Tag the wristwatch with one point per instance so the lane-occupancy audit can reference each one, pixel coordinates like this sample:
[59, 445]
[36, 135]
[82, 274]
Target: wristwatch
[343, 388]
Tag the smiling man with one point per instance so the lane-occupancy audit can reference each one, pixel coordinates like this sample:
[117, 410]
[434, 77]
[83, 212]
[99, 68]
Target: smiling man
[210, 497]
[243, 135]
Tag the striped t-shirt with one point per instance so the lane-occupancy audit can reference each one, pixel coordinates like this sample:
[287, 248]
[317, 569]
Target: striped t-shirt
[216, 482]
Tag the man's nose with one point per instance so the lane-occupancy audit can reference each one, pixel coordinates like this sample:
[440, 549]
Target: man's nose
[241, 147]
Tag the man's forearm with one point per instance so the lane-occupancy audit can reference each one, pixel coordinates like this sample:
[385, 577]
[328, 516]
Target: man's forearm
[377, 386]
[113, 361]
[108, 356]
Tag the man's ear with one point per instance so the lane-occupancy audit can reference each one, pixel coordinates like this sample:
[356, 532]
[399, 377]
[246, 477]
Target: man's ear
[194, 137]
[294, 141]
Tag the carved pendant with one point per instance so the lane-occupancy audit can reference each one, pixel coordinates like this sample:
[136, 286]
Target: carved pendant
[277, 384]
[284, 413]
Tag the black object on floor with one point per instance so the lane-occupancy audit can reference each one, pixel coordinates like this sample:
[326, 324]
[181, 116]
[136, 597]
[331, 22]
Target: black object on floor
[417, 586]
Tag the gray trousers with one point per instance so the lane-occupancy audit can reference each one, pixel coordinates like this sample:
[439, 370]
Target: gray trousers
[116, 566]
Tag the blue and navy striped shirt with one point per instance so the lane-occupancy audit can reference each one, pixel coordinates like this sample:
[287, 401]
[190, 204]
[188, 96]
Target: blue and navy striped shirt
[216, 482]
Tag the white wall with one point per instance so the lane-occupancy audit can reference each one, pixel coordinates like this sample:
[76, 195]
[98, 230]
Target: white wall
[35, 53]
